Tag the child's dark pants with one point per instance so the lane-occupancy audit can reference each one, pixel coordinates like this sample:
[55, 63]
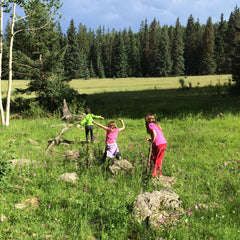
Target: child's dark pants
[87, 130]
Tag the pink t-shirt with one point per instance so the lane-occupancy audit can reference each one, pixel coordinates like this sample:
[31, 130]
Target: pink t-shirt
[112, 135]
[160, 139]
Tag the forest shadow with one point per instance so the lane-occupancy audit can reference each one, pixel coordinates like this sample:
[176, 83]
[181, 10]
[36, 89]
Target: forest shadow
[171, 103]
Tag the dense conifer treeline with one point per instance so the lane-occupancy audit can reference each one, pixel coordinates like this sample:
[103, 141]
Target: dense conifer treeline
[154, 51]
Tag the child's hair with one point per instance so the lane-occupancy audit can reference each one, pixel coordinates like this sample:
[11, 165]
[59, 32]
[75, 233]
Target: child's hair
[112, 124]
[87, 110]
[151, 119]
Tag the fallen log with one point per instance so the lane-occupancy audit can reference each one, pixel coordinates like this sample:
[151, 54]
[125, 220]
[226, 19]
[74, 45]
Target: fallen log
[56, 140]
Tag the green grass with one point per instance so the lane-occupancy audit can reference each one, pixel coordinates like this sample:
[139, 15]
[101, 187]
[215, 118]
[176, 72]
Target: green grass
[127, 84]
[138, 84]
[203, 155]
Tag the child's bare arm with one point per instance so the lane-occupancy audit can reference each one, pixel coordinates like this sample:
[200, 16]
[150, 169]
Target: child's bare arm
[123, 125]
[98, 124]
[153, 136]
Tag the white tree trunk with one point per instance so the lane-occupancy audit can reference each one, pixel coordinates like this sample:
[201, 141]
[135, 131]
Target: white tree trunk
[1, 53]
[10, 66]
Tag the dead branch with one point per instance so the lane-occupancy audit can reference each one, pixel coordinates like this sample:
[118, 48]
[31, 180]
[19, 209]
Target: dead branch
[57, 138]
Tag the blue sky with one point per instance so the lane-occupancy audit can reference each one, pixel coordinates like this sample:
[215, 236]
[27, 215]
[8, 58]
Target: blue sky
[120, 14]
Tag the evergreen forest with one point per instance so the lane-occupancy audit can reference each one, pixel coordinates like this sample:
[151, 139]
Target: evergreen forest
[153, 51]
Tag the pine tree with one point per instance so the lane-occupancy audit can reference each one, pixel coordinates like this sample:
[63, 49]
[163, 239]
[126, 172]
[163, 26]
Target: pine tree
[96, 53]
[236, 67]
[190, 47]
[37, 50]
[232, 37]
[133, 54]
[119, 57]
[144, 48]
[74, 60]
[107, 45]
[178, 50]
[165, 61]
[220, 47]
[207, 65]
[154, 35]
[198, 29]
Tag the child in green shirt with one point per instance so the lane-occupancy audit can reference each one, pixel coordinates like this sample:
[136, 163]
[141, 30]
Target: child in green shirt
[88, 123]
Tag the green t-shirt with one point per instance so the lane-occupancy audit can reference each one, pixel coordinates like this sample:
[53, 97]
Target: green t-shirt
[87, 120]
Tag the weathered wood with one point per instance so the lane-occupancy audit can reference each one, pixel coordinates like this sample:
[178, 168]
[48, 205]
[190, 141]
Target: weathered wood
[57, 138]
[66, 113]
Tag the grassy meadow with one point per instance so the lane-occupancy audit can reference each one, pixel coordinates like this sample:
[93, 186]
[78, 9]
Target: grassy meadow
[201, 126]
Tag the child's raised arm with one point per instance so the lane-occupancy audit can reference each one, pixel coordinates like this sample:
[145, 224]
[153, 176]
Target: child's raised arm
[99, 125]
[123, 126]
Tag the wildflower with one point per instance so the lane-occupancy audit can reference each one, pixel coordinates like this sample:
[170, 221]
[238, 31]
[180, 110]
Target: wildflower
[204, 196]
[49, 206]
[178, 153]
[142, 155]
[231, 199]
[232, 167]
[189, 212]
[34, 174]
[219, 170]
[161, 220]
[237, 161]
[37, 154]
[196, 207]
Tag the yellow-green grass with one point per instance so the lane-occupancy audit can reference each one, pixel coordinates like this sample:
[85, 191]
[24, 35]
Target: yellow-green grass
[137, 84]
[127, 84]
[15, 84]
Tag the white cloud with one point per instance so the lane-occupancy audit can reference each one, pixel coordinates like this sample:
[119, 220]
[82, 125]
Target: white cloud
[129, 13]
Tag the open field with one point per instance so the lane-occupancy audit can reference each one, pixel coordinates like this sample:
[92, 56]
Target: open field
[128, 84]
[138, 84]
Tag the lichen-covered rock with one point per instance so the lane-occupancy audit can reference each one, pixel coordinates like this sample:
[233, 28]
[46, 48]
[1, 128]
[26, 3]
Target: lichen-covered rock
[69, 177]
[20, 206]
[34, 202]
[165, 181]
[3, 218]
[121, 166]
[160, 208]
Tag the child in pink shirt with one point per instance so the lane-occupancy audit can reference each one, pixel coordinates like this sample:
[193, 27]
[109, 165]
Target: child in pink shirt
[111, 149]
[158, 142]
